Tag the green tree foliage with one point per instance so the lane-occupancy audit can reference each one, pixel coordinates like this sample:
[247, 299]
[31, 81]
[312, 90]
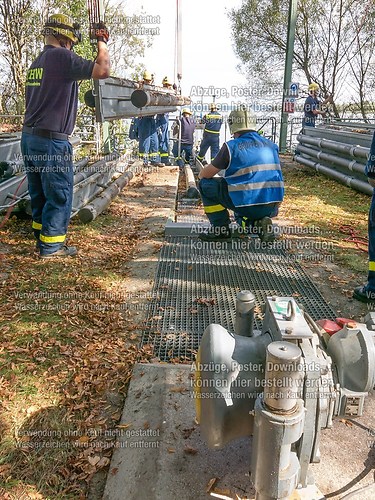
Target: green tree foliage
[21, 23]
[14, 19]
[334, 45]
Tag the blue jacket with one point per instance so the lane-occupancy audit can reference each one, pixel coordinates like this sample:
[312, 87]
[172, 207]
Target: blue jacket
[311, 104]
[187, 129]
[253, 175]
[213, 122]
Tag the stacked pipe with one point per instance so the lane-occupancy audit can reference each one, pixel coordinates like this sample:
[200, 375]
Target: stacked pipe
[12, 191]
[341, 159]
[91, 182]
[102, 200]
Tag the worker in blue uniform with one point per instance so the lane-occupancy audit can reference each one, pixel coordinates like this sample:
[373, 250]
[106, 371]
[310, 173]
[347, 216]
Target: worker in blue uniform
[162, 123]
[211, 134]
[147, 133]
[252, 185]
[148, 140]
[366, 293]
[313, 106]
[187, 124]
[133, 129]
[51, 110]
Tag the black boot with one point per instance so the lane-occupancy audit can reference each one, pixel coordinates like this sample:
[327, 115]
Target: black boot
[264, 229]
[363, 294]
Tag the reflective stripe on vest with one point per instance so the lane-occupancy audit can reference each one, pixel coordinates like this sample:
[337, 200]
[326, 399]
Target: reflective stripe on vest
[213, 123]
[254, 175]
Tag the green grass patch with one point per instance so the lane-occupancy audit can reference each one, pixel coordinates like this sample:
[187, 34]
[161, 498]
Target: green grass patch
[332, 210]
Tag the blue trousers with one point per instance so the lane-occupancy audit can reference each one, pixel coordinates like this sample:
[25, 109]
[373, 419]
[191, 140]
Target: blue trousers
[209, 141]
[148, 139]
[185, 148]
[308, 122]
[49, 169]
[162, 124]
[371, 246]
[164, 143]
[216, 202]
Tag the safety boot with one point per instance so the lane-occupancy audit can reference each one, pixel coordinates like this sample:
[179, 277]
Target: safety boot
[264, 229]
[64, 251]
[363, 294]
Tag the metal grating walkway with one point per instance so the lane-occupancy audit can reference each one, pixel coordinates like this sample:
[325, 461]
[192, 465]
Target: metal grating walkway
[190, 270]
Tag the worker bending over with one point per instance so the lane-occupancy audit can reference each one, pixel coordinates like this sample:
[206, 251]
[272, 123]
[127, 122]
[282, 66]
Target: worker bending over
[252, 185]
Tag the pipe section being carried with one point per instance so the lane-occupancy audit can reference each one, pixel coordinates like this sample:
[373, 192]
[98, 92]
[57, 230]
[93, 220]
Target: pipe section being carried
[91, 211]
[141, 98]
[356, 184]
[111, 98]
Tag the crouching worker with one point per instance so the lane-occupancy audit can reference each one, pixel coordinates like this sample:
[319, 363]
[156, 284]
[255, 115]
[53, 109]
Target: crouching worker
[252, 185]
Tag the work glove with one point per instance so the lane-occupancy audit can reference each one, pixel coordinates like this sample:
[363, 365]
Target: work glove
[100, 32]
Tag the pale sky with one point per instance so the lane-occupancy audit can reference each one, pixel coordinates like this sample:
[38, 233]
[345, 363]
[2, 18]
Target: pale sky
[208, 57]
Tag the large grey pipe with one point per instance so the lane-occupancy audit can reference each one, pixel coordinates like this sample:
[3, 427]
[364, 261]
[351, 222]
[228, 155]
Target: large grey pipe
[78, 165]
[362, 186]
[353, 151]
[351, 165]
[141, 98]
[10, 168]
[91, 211]
[101, 166]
